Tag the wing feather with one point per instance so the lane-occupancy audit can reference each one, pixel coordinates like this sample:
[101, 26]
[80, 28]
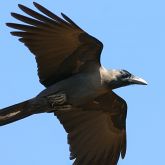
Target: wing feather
[97, 132]
[61, 48]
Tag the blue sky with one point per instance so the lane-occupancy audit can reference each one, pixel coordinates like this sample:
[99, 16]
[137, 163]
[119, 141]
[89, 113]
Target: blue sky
[133, 33]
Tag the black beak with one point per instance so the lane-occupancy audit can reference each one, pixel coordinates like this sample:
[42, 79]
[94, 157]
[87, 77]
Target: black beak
[137, 80]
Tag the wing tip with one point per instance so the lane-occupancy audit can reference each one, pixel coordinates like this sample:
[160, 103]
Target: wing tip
[13, 33]
[123, 153]
[14, 14]
[63, 14]
[23, 8]
[9, 25]
[37, 5]
[20, 6]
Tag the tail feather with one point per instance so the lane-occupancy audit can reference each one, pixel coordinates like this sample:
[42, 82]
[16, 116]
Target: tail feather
[15, 112]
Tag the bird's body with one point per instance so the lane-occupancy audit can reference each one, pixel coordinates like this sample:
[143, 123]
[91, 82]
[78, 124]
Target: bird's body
[89, 84]
[78, 88]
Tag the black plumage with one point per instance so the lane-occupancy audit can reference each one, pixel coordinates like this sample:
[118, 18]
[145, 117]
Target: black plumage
[78, 89]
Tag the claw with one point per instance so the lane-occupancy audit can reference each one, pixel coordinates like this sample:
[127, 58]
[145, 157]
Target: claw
[57, 99]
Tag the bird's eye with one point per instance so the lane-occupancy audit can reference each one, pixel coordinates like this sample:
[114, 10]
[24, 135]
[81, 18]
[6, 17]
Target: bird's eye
[125, 74]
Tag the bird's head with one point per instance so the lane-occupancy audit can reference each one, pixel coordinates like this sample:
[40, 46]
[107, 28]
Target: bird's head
[120, 78]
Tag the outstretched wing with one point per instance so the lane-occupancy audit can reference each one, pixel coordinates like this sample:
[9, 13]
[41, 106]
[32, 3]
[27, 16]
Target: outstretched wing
[61, 47]
[97, 134]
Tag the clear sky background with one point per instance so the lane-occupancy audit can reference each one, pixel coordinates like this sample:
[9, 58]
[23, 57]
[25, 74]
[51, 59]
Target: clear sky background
[133, 33]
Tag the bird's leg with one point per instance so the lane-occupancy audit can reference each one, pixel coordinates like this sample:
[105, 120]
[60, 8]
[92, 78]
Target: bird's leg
[58, 102]
[57, 99]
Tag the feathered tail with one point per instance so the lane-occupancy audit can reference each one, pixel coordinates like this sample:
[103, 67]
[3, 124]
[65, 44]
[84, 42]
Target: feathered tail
[15, 112]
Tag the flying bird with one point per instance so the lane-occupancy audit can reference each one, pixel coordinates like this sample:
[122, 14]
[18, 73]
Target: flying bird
[79, 90]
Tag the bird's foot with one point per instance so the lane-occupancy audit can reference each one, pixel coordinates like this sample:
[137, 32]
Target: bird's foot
[57, 99]
[62, 107]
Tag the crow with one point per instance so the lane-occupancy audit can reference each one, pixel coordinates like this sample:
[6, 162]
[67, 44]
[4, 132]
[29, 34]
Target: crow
[78, 89]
